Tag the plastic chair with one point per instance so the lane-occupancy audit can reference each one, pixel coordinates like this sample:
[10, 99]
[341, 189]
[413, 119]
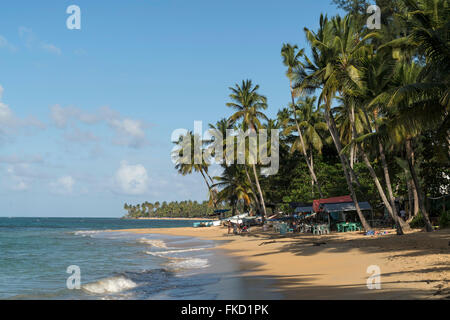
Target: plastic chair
[316, 230]
[276, 227]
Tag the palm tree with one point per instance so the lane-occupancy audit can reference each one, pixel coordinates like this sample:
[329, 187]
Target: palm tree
[291, 59]
[343, 115]
[335, 47]
[404, 131]
[233, 187]
[192, 160]
[311, 124]
[248, 103]
[429, 96]
[424, 101]
[354, 99]
[223, 126]
[351, 52]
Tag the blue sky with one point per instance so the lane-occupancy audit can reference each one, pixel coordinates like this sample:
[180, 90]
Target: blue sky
[86, 115]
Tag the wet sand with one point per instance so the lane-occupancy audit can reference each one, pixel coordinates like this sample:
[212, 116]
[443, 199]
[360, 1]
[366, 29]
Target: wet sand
[303, 266]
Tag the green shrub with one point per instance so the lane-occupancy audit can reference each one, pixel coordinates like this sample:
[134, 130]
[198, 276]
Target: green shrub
[417, 221]
[444, 219]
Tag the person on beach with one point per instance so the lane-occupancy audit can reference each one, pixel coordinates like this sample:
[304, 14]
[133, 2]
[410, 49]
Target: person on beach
[234, 229]
[229, 226]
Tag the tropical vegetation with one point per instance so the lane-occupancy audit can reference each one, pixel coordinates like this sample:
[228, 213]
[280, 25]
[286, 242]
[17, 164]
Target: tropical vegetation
[367, 115]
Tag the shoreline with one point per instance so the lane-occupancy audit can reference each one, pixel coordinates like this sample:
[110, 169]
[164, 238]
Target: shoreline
[304, 266]
[174, 219]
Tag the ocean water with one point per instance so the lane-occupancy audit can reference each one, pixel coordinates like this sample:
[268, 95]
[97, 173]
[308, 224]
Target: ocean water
[35, 254]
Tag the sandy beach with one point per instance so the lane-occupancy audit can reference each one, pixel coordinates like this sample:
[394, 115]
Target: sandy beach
[173, 219]
[303, 266]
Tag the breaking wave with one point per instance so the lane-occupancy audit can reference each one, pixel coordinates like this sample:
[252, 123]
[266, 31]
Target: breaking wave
[110, 285]
[165, 253]
[188, 263]
[86, 233]
[153, 243]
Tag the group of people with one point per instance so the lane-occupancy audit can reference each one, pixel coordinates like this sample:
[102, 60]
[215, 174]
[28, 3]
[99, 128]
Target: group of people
[237, 228]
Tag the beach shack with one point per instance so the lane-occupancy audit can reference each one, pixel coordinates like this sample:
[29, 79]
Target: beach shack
[338, 213]
[304, 212]
[340, 199]
[304, 209]
[342, 216]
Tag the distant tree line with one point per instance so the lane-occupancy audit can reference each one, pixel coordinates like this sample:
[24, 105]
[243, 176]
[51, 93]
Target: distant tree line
[175, 209]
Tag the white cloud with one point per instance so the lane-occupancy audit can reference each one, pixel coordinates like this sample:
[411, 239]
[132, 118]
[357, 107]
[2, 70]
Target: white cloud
[25, 159]
[129, 127]
[132, 179]
[21, 175]
[6, 115]
[51, 48]
[10, 123]
[127, 132]
[27, 35]
[80, 136]
[63, 185]
[62, 116]
[4, 43]
[5, 112]
[31, 40]
[20, 186]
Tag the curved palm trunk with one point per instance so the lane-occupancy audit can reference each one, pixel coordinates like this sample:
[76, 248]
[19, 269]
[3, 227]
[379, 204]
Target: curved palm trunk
[206, 181]
[258, 186]
[410, 195]
[409, 155]
[344, 163]
[400, 224]
[337, 142]
[209, 189]
[416, 198]
[258, 205]
[213, 191]
[210, 179]
[233, 207]
[312, 180]
[352, 156]
[310, 168]
[260, 193]
[386, 203]
[353, 130]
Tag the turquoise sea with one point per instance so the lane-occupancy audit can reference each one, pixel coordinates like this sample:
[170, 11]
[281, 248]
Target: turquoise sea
[35, 254]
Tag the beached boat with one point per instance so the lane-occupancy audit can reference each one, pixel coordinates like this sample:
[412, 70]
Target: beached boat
[203, 224]
[236, 219]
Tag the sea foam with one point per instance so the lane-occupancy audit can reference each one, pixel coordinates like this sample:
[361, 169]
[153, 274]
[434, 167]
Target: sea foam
[188, 263]
[165, 253]
[110, 285]
[86, 233]
[153, 243]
